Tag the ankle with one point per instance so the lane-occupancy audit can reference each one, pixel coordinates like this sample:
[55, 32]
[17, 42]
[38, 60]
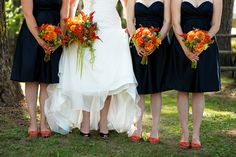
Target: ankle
[185, 136]
[196, 139]
[85, 128]
[33, 124]
[155, 133]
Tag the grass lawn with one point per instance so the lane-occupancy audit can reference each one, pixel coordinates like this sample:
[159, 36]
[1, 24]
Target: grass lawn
[218, 133]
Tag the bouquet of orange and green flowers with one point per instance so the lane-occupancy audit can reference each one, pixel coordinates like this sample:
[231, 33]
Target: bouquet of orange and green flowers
[147, 39]
[196, 41]
[82, 30]
[52, 36]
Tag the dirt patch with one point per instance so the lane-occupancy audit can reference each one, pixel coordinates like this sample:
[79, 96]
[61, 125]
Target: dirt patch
[12, 116]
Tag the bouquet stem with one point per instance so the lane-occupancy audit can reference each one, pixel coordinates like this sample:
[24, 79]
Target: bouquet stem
[47, 57]
[80, 59]
[144, 60]
[194, 65]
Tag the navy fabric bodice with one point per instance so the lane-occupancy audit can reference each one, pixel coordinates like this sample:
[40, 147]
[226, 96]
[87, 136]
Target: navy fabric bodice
[40, 5]
[149, 16]
[196, 17]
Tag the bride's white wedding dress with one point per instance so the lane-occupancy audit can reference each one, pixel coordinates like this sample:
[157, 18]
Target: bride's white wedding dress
[111, 74]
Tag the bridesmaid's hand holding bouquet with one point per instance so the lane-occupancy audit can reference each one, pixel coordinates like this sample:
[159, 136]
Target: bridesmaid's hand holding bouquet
[146, 40]
[196, 41]
[51, 35]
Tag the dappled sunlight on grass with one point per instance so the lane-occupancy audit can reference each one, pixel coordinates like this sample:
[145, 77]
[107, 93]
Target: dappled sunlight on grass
[231, 133]
[218, 133]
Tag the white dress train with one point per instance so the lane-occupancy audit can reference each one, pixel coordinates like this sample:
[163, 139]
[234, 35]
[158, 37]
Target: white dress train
[111, 75]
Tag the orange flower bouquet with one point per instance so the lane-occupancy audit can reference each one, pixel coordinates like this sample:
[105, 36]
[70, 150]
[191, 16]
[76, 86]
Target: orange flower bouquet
[51, 35]
[196, 41]
[82, 30]
[147, 39]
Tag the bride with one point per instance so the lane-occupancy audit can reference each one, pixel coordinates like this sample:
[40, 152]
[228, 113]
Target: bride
[105, 97]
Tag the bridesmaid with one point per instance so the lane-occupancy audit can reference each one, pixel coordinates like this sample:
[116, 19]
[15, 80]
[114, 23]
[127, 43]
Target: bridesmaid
[205, 15]
[150, 77]
[28, 65]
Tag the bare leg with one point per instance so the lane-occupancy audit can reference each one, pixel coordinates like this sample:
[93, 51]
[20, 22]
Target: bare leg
[43, 96]
[103, 116]
[85, 126]
[139, 123]
[198, 109]
[156, 102]
[31, 93]
[183, 109]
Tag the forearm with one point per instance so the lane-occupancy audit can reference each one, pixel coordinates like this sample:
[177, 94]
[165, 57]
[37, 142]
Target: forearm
[178, 31]
[32, 25]
[165, 29]
[64, 13]
[130, 17]
[27, 7]
[213, 30]
[216, 17]
[73, 7]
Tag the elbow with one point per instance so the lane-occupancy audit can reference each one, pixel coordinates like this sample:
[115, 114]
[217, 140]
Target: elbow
[27, 14]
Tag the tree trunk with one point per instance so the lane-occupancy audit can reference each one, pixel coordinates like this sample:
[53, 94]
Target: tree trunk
[226, 24]
[10, 92]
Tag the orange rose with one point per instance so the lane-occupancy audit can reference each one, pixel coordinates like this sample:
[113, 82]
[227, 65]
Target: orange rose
[158, 41]
[139, 41]
[146, 31]
[201, 35]
[53, 35]
[50, 28]
[149, 46]
[190, 36]
[199, 47]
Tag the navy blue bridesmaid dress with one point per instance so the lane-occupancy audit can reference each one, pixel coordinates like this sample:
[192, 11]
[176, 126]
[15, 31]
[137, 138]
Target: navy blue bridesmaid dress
[206, 78]
[29, 64]
[150, 77]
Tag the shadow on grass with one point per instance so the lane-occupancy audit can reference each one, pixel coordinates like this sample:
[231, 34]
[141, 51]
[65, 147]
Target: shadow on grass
[12, 117]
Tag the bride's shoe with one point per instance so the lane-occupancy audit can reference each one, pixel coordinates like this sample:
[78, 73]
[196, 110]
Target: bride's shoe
[85, 134]
[104, 135]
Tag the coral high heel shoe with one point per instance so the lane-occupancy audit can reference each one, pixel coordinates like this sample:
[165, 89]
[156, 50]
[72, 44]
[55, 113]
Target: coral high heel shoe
[184, 144]
[154, 140]
[135, 138]
[196, 145]
[45, 133]
[33, 133]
